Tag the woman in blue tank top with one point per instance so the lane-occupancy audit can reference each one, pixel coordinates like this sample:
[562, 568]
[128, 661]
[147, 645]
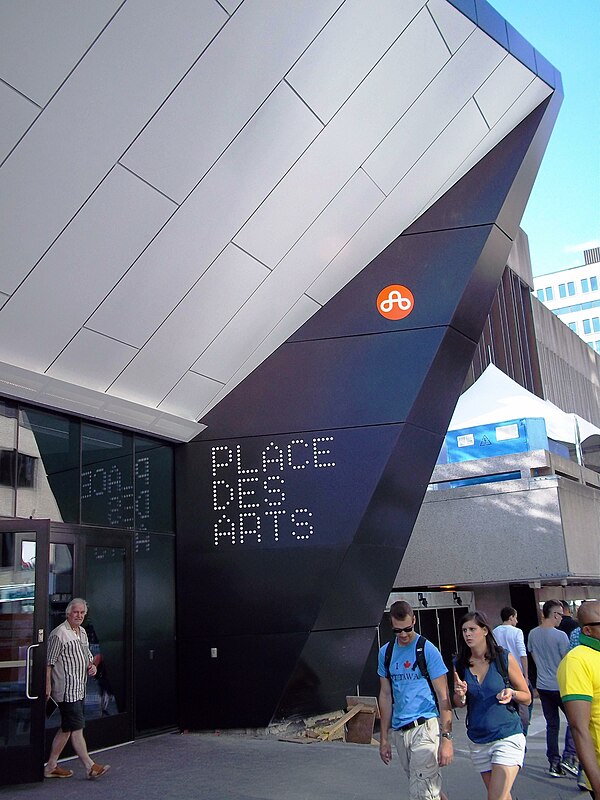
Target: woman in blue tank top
[496, 739]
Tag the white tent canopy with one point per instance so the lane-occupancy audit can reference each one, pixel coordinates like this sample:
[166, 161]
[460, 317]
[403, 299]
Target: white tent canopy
[495, 397]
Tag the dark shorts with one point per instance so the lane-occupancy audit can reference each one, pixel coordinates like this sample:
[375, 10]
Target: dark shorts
[71, 716]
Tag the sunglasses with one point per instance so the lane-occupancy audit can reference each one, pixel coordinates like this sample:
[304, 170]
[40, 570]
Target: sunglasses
[591, 624]
[403, 630]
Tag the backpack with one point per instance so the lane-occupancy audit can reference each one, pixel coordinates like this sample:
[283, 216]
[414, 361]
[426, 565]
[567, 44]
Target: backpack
[420, 662]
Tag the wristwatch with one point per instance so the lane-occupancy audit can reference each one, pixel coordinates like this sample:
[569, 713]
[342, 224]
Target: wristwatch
[447, 735]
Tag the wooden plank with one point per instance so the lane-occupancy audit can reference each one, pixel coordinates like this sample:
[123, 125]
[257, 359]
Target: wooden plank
[330, 730]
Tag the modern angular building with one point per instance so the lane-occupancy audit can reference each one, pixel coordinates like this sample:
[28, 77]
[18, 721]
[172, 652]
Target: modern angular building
[248, 250]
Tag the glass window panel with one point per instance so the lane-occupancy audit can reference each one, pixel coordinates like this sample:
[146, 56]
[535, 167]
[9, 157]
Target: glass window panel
[594, 283]
[17, 597]
[596, 324]
[587, 328]
[540, 295]
[571, 287]
[549, 293]
[585, 286]
[573, 326]
[105, 627]
[106, 477]
[154, 631]
[60, 592]
[562, 290]
[153, 485]
[48, 466]
[8, 448]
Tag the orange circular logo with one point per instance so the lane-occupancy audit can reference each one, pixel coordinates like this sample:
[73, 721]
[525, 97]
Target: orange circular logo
[395, 301]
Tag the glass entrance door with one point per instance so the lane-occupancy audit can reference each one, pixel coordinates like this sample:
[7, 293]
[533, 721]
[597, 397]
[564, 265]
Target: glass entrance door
[96, 564]
[23, 617]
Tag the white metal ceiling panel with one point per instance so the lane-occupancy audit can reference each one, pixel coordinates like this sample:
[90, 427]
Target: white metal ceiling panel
[203, 312]
[41, 41]
[204, 225]
[220, 105]
[502, 88]
[80, 269]
[92, 119]
[294, 319]
[191, 395]
[274, 298]
[535, 93]
[357, 36]
[238, 71]
[454, 26]
[398, 209]
[334, 155]
[452, 87]
[91, 360]
[17, 113]
[230, 5]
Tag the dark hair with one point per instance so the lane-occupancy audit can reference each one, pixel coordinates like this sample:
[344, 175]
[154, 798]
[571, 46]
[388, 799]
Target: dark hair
[548, 606]
[507, 612]
[401, 609]
[463, 659]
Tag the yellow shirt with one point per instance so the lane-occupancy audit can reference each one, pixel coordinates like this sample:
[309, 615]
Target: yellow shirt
[579, 679]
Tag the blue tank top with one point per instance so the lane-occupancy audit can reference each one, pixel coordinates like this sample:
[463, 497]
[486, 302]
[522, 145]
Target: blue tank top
[487, 719]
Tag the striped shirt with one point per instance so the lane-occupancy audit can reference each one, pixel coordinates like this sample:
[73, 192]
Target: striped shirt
[69, 656]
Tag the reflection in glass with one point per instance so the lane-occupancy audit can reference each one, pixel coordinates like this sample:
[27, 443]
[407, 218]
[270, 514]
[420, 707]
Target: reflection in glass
[55, 467]
[8, 450]
[48, 466]
[107, 496]
[17, 593]
[105, 626]
[153, 485]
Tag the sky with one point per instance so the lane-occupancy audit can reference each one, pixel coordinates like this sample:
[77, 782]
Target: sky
[562, 217]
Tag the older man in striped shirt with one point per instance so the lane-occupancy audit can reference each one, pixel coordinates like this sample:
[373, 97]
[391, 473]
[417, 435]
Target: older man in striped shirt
[69, 662]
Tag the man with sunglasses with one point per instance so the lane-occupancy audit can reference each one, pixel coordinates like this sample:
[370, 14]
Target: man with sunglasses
[579, 682]
[409, 714]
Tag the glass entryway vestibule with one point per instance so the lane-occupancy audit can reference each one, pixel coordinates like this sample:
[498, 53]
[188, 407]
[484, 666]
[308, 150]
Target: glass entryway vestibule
[85, 510]
[44, 565]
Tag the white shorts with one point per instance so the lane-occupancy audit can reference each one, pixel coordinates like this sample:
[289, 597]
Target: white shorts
[508, 752]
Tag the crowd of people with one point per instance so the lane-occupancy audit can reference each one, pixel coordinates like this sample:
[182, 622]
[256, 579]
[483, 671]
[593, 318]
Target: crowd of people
[490, 678]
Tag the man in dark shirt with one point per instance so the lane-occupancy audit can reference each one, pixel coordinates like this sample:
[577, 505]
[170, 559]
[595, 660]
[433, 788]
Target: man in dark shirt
[567, 623]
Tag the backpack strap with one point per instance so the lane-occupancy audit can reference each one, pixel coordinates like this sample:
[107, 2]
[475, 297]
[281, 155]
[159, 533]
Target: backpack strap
[501, 662]
[387, 660]
[421, 663]
[502, 666]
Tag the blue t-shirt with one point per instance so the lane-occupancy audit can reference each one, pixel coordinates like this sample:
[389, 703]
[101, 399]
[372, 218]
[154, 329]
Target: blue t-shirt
[412, 695]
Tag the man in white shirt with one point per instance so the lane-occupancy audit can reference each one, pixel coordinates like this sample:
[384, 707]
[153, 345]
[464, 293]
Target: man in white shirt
[511, 638]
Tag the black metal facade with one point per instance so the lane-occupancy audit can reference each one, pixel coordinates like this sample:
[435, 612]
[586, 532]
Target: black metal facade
[295, 505]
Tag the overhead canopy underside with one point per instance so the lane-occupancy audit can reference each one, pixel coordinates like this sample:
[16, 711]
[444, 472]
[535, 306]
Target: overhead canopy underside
[184, 184]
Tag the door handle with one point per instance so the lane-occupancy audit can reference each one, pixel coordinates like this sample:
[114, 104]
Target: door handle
[28, 673]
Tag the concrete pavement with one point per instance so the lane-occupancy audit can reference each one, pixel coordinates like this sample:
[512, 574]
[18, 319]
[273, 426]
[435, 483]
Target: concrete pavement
[228, 766]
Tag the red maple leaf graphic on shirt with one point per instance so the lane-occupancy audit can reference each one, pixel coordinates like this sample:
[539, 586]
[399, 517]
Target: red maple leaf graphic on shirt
[406, 664]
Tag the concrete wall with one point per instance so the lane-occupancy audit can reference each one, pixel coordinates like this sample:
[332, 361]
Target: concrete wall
[580, 509]
[491, 533]
[570, 368]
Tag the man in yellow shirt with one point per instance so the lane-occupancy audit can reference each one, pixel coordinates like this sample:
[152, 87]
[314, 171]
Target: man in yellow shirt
[579, 684]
